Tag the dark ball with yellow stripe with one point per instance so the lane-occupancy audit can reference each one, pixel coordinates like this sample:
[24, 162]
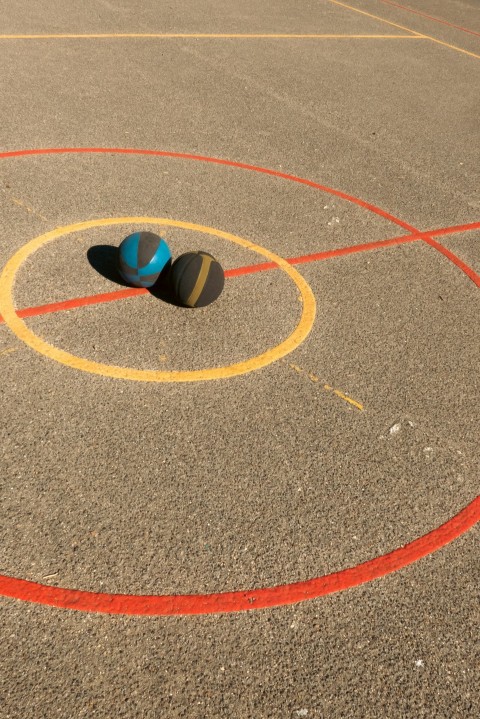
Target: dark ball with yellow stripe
[197, 279]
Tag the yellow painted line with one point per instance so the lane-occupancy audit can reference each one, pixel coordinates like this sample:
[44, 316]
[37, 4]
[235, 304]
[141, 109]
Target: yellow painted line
[8, 351]
[296, 368]
[402, 27]
[452, 47]
[376, 17]
[24, 333]
[20, 203]
[348, 399]
[313, 378]
[210, 36]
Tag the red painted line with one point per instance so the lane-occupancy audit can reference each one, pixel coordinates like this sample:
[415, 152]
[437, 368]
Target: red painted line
[430, 17]
[236, 272]
[353, 249]
[328, 254]
[249, 269]
[456, 260]
[454, 228]
[216, 161]
[248, 599]
[80, 302]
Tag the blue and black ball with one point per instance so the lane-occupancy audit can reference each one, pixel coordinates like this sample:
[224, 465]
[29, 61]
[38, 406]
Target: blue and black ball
[196, 279]
[142, 257]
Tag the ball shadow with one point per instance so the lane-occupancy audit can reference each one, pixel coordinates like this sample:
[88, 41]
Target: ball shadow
[103, 259]
[162, 289]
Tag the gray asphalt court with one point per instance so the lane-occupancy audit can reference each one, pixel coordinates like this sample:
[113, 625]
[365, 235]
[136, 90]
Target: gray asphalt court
[264, 508]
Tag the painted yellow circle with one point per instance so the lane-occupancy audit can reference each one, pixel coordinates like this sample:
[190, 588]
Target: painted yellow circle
[20, 329]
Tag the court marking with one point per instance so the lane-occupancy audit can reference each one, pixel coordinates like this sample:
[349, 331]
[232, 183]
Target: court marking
[216, 161]
[244, 600]
[430, 17]
[328, 388]
[212, 36]
[30, 210]
[474, 276]
[402, 27]
[344, 396]
[30, 338]
[376, 17]
[77, 302]
[8, 351]
[256, 598]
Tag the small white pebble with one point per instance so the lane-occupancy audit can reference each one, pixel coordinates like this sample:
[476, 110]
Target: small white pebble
[395, 428]
[419, 663]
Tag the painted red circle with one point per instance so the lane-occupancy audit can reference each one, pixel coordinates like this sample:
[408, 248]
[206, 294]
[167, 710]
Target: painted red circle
[253, 598]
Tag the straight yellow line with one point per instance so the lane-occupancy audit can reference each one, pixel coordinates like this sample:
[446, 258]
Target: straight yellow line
[375, 17]
[20, 203]
[239, 36]
[348, 399]
[402, 27]
[314, 378]
[296, 368]
[452, 47]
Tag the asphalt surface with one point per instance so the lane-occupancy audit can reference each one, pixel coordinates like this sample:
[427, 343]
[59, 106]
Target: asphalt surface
[357, 443]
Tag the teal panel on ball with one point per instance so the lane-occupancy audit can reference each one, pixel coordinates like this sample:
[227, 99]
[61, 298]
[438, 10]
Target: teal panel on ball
[129, 249]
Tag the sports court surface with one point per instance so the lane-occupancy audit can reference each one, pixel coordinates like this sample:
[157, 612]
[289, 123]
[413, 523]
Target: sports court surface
[266, 507]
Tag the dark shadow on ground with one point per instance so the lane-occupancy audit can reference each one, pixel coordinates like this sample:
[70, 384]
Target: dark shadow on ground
[162, 289]
[103, 259]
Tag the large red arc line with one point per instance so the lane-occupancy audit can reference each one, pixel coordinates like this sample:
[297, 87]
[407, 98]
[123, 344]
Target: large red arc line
[216, 161]
[255, 598]
[249, 599]
[456, 260]
[231, 163]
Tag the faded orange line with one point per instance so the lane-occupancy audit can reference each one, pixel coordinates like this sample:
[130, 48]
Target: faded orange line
[402, 27]
[431, 17]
